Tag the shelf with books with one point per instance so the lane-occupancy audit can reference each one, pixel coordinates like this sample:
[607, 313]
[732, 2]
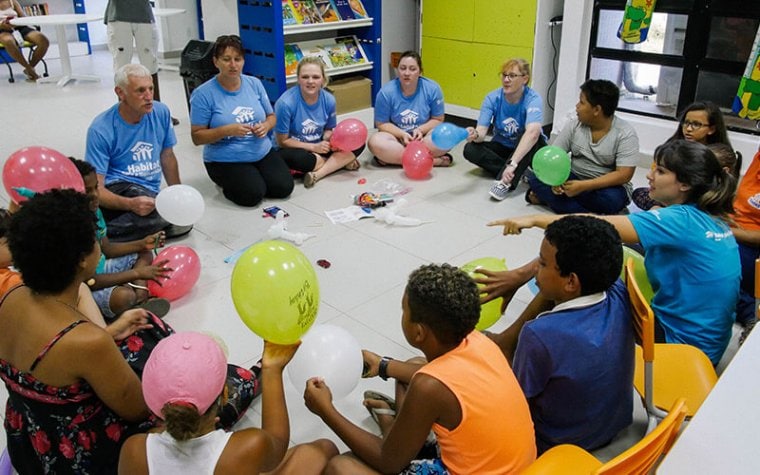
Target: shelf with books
[265, 34]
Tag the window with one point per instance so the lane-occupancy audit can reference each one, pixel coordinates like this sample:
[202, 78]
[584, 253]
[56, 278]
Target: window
[695, 50]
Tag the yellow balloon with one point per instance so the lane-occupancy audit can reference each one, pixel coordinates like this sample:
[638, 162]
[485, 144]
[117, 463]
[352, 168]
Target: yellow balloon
[275, 291]
[490, 312]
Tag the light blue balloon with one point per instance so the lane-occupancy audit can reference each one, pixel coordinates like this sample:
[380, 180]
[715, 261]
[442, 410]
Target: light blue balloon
[445, 136]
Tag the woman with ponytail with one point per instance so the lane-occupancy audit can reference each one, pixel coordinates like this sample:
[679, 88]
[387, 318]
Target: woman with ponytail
[692, 259]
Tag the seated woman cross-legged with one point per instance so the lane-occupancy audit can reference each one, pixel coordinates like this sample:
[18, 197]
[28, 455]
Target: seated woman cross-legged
[306, 117]
[407, 108]
[10, 9]
[232, 117]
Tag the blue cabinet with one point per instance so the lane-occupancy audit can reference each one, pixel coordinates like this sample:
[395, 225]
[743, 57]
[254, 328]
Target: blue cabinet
[264, 38]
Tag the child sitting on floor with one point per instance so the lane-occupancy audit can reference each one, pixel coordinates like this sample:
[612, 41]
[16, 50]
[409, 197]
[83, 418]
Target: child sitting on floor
[184, 384]
[124, 267]
[466, 392]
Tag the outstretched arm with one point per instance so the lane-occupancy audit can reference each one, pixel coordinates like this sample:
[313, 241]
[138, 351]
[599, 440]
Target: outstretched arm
[623, 225]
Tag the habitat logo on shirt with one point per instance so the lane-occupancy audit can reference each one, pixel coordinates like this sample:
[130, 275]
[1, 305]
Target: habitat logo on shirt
[142, 151]
[409, 117]
[310, 131]
[243, 115]
[145, 166]
[510, 127]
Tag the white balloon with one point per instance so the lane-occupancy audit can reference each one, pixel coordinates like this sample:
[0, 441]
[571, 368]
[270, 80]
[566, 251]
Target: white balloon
[331, 353]
[180, 204]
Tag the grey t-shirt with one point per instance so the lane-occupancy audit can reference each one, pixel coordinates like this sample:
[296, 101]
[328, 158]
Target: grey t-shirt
[129, 11]
[619, 148]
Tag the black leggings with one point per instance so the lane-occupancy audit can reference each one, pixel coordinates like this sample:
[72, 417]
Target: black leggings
[247, 183]
[494, 157]
[304, 161]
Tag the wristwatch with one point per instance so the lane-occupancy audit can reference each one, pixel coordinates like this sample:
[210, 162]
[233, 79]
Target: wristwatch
[382, 367]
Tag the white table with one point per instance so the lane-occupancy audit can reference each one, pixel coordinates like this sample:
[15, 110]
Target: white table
[59, 22]
[722, 436]
[165, 12]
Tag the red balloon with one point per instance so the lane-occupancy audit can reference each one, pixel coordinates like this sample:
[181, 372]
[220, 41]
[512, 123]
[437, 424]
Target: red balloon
[186, 267]
[417, 160]
[39, 169]
[349, 135]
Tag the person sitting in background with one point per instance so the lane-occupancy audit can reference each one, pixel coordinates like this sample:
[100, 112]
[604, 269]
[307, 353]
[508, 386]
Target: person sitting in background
[231, 116]
[184, 385]
[124, 267]
[574, 360]
[700, 122]
[407, 108]
[604, 152]
[466, 392]
[516, 113]
[691, 261]
[10, 9]
[305, 122]
[131, 145]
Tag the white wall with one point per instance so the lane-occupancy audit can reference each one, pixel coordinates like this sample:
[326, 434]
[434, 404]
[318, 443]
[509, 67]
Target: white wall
[401, 31]
[576, 37]
[220, 17]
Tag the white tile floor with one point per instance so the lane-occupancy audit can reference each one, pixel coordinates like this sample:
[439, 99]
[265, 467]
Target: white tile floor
[370, 261]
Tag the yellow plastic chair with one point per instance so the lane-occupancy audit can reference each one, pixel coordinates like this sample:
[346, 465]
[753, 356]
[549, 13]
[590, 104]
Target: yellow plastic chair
[8, 60]
[640, 459]
[679, 371]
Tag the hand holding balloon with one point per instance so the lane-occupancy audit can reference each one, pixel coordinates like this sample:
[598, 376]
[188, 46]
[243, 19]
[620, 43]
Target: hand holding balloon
[39, 169]
[551, 165]
[180, 269]
[445, 136]
[417, 160]
[349, 135]
[182, 205]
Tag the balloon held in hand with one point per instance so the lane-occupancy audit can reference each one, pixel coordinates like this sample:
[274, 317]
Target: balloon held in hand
[417, 160]
[551, 165]
[39, 169]
[445, 136]
[348, 135]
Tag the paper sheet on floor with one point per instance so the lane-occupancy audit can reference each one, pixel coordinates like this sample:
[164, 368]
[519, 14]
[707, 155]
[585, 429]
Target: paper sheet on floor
[348, 214]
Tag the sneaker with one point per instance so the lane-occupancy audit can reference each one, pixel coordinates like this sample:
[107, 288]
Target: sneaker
[498, 190]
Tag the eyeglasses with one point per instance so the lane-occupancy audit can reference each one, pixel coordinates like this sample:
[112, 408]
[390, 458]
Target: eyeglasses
[687, 124]
[511, 76]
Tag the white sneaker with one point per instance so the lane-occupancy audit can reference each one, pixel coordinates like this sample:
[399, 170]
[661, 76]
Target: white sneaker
[498, 190]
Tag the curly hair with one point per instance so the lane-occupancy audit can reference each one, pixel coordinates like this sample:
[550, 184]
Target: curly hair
[712, 187]
[588, 247]
[84, 168]
[183, 422]
[49, 236]
[444, 298]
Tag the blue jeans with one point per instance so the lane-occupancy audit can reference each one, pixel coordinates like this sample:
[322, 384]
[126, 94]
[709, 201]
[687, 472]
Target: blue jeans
[745, 307]
[126, 225]
[601, 201]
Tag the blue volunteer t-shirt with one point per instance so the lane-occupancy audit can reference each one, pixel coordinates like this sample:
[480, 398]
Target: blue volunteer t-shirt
[301, 121]
[408, 113]
[509, 120]
[692, 262]
[130, 152]
[213, 106]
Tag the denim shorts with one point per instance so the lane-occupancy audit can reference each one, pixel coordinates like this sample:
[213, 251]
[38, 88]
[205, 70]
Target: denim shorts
[103, 296]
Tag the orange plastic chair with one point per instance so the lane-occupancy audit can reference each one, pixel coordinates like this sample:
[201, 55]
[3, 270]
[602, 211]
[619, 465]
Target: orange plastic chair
[677, 371]
[640, 459]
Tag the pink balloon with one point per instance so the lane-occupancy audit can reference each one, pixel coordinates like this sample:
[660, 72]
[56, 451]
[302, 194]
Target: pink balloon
[349, 135]
[39, 169]
[417, 160]
[186, 267]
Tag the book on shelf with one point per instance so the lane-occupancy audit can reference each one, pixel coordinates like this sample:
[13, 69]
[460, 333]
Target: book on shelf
[357, 8]
[306, 11]
[351, 44]
[327, 10]
[293, 55]
[344, 9]
[288, 15]
[35, 9]
[318, 51]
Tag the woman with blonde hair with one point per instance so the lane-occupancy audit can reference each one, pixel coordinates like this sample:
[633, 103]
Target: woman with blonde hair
[516, 112]
[306, 118]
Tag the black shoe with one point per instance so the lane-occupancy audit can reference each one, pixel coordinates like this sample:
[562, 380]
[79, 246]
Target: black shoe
[157, 306]
[175, 121]
[175, 231]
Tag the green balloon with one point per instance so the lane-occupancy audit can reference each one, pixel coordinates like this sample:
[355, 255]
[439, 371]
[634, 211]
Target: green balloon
[489, 312]
[275, 291]
[639, 272]
[551, 165]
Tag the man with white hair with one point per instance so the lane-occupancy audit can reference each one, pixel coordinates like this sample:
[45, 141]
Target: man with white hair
[131, 147]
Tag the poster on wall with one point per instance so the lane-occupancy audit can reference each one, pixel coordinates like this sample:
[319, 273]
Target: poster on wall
[747, 100]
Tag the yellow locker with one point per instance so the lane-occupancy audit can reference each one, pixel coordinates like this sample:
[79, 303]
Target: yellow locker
[449, 19]
[510, 22]
[487, 72]
[449, 63]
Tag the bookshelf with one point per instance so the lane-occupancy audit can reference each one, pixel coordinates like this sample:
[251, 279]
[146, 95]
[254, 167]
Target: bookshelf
[264, 37]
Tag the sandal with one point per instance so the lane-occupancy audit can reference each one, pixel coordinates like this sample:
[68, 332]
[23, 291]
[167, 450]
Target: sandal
[379, 162]
[309, 179]
[447, 160]
[155, 305]
[353, 165]
[531, 198]
[375, 412]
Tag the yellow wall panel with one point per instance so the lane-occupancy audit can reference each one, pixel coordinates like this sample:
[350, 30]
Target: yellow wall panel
[450, 19]
[487, 69]
[449, 63]
[510, 22]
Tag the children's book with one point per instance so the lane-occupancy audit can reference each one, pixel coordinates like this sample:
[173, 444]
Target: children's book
[339, 55]
[318, 51]
[327, 10]
[307, 10]
[288, 15]
[293, 55]
[352, 48]
[358, 9]
[344, 9]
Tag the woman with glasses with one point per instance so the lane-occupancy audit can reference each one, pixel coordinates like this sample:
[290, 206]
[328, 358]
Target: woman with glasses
[700, 122]
[406, 109]
[306, 118]
[516, 113]
[231, 115]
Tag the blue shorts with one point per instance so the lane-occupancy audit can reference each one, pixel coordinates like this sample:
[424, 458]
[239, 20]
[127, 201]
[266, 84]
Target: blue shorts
[428, 461]
[112, 266]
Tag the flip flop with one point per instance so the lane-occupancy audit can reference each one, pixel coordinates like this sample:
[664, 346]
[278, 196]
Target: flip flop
[377, 411]
[447, 160]
[379, 162]
[352, 166]
[157, 306]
